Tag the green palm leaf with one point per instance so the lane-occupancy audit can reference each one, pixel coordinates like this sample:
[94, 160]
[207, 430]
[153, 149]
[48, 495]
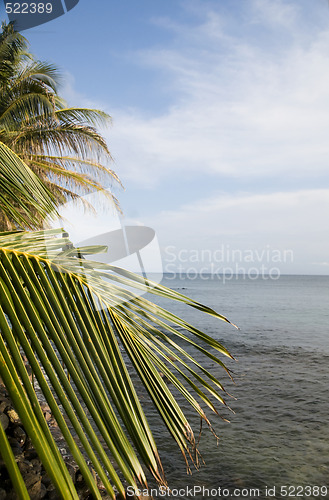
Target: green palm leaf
[73, 317]
[21, 190]
[9, 459]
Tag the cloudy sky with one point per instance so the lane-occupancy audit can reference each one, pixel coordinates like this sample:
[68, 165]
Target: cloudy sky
[220, 119]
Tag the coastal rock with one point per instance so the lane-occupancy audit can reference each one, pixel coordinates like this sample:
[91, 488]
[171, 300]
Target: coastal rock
[4, 421]
[13, 416]
[38, 483]
[4, 405]
[20, 435]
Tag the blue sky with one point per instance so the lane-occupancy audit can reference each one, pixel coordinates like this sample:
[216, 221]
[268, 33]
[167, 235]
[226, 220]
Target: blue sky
[220, 118]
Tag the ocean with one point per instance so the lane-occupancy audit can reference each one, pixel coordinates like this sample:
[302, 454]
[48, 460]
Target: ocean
[277, 442]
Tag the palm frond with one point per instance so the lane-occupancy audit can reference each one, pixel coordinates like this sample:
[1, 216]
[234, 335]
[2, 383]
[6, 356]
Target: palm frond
[45, 139]
[21, 111]
[9, 459]
[21, 189]
[93, 117]
[79, 164]
[72, 317]
[13, 47]
[40, 72]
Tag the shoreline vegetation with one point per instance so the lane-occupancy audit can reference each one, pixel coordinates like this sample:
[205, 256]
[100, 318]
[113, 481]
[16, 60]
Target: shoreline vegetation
[79, 329]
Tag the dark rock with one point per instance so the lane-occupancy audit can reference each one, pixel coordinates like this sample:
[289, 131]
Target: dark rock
[72, 471]
[43, 491]
[4, 392]
[37, 466]
[83, 492]
[47, 481]
[52, 493]
[17, 450]
[31, 479]
[28, 444]
[81, 486]
[24, 466]
[79, 477]
[3, 476]
[35, 490]
[30, 454]
[4, 420]
[20, 435]
[4, 405]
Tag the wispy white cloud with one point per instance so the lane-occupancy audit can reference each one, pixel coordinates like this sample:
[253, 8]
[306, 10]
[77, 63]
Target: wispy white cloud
[295, 221]
[276, 13]
[238, 108]
[249, 104]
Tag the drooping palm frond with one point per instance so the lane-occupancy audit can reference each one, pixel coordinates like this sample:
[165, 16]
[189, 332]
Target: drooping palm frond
[87, 116]
[69, 154]
[78, 165]
[72, 183]
[23, 197]
[37, 73]
[49, 137]
[73, 317]
[18, 110]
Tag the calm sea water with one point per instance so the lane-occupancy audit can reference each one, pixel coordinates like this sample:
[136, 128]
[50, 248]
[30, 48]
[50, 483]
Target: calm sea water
[279, 434]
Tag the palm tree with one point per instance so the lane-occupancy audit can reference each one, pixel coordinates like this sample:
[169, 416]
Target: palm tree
[59, 143]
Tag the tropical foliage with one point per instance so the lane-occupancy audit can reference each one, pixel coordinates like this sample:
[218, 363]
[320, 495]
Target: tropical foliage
[84, 331]
[60, 144]
[69, 320]
[23, 197]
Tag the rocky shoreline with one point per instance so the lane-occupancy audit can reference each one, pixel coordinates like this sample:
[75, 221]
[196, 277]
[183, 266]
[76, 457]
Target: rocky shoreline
[38, 482]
